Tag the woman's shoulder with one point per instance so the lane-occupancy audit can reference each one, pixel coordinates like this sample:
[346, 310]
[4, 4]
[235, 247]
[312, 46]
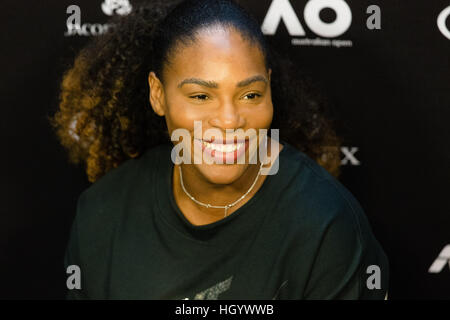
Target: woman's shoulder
[314, 198]
[321, 216]
[99, 212]
[109, 191]
[128, 170]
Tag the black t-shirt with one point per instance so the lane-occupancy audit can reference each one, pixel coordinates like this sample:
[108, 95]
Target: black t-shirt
[301, 236]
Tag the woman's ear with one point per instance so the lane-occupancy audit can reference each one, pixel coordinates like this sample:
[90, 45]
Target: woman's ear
[270, 73]
[156, 94]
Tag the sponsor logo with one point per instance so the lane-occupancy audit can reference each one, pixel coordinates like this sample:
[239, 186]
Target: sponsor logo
[349, 156]
[109, 7]
[442, 18]
[441, 261]
[120, 7]
[282, 10]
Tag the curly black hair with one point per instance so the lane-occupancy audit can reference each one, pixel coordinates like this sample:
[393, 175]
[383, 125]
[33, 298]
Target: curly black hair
[104, 116]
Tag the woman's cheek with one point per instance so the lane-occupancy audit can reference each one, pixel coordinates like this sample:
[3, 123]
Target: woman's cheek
[179, 114]
[261, 118]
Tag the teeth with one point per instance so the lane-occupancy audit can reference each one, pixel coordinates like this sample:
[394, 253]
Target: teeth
[225, 148]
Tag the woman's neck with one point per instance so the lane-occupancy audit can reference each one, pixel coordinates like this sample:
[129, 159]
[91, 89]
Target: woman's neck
[215, 194]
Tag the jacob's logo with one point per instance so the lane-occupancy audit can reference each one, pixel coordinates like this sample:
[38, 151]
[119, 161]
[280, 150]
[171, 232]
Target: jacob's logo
[74, 26]
[109, 7]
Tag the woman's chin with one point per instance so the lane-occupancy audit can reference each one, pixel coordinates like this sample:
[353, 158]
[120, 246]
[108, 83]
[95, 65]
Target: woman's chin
[221, 173]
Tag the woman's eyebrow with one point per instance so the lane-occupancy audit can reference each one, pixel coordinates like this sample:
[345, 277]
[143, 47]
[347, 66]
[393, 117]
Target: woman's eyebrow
[215, 85]
[250, 80]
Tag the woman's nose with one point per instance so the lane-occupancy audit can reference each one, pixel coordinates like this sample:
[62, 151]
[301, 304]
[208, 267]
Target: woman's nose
[227, 117]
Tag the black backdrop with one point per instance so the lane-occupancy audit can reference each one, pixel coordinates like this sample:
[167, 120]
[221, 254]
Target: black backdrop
[389, 88]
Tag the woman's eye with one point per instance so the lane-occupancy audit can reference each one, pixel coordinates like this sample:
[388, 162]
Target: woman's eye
[252, 96]
[199, 97]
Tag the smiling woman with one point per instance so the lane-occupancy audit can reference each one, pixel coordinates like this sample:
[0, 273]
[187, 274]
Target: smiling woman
[149, 228]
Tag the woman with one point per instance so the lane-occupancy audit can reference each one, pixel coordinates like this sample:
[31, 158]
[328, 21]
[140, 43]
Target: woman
[149, 228]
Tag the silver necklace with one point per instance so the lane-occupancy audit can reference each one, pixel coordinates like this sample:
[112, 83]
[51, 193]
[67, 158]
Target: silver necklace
[207, 205]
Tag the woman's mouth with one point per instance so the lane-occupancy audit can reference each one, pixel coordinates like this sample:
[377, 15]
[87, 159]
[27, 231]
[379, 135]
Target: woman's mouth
[226, 152]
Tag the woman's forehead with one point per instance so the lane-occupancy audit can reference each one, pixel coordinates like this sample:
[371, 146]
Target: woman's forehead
[215, 50]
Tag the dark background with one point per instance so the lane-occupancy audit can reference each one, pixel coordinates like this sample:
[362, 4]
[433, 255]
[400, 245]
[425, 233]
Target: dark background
[390, 91]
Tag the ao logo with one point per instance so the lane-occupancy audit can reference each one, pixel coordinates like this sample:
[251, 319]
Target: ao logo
[282, 10]
[441, 261]
[441, 22]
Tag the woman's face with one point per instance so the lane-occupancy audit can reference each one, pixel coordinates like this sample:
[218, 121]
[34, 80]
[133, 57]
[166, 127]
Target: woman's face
[222, 81]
